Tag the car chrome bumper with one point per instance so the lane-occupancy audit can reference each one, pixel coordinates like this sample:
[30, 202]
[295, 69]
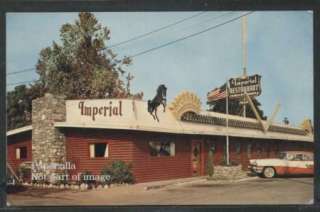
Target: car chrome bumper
[255, 169]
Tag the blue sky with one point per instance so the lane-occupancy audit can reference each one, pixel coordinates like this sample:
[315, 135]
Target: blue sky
[280, 48]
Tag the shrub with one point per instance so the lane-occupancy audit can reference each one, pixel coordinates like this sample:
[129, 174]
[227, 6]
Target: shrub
[85, 177]
[118, 172]
[62, 180]
[24, 172]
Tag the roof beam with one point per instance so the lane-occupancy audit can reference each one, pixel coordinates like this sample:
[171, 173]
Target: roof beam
[255, 112]
[273, 116]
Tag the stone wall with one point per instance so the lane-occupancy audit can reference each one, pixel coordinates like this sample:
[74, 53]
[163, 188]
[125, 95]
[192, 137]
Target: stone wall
[48, 143]
[229, 172]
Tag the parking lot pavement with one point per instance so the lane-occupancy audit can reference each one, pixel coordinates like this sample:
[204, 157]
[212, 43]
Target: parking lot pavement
[255, 191]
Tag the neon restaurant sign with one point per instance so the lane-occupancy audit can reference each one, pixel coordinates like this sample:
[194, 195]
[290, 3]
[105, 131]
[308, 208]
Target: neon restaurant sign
[250, 85]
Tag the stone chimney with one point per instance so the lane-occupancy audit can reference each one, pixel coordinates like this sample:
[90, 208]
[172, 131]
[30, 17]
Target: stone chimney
[48, 143]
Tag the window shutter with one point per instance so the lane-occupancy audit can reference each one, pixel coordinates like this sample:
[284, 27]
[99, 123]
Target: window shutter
[106, 153]
[172, 149]
[17, 153]
[92, 150]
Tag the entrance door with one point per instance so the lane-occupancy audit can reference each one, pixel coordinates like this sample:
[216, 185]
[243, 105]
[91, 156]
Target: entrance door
[196, 158]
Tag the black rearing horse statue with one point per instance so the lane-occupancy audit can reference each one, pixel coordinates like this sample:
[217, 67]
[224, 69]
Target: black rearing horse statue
[160, 98]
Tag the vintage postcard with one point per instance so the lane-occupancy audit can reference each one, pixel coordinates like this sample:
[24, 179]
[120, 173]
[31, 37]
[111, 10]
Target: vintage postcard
[160, 108]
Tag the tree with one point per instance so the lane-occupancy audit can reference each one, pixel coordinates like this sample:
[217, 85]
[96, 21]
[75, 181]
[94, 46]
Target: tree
[81, 66]
[19, 103]
[235, 108]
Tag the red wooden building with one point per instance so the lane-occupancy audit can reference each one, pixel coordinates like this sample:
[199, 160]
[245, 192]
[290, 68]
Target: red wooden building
[91, 133]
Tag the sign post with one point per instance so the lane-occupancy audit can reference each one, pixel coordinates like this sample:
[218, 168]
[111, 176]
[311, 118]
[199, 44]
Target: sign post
[244, 55]
[244, 44]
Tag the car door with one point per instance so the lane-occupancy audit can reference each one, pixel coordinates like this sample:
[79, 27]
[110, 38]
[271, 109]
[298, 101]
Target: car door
[286, 164]
[281, 166]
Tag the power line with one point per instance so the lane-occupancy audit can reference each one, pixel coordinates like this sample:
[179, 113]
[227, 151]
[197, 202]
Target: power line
[154, 31]
[188, 36]
[23, 82]
[158, 47]
[137, 37]
[21, 71]
[129, 40]
[209, 19]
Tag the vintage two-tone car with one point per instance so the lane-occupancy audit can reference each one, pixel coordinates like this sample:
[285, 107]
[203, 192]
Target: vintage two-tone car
[287, 163]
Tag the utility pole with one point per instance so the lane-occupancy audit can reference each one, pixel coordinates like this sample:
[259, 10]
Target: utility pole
[244, 45]
[227, 122]
[244, 56]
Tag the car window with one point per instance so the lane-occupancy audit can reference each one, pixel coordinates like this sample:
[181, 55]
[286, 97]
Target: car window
[298, 157]
[307, 157]
[282, 155]
[290, 157]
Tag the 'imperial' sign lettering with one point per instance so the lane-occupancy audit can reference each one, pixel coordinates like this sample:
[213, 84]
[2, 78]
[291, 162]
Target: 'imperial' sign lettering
[251, 85]
[109, 110]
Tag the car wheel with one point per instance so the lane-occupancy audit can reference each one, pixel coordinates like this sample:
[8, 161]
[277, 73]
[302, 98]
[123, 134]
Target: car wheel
[269, 172]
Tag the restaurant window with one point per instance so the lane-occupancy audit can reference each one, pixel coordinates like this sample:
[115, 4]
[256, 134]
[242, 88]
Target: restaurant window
[160, 148]
[212, 147]
[238, 148]
[99, 150]
[21, 153]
